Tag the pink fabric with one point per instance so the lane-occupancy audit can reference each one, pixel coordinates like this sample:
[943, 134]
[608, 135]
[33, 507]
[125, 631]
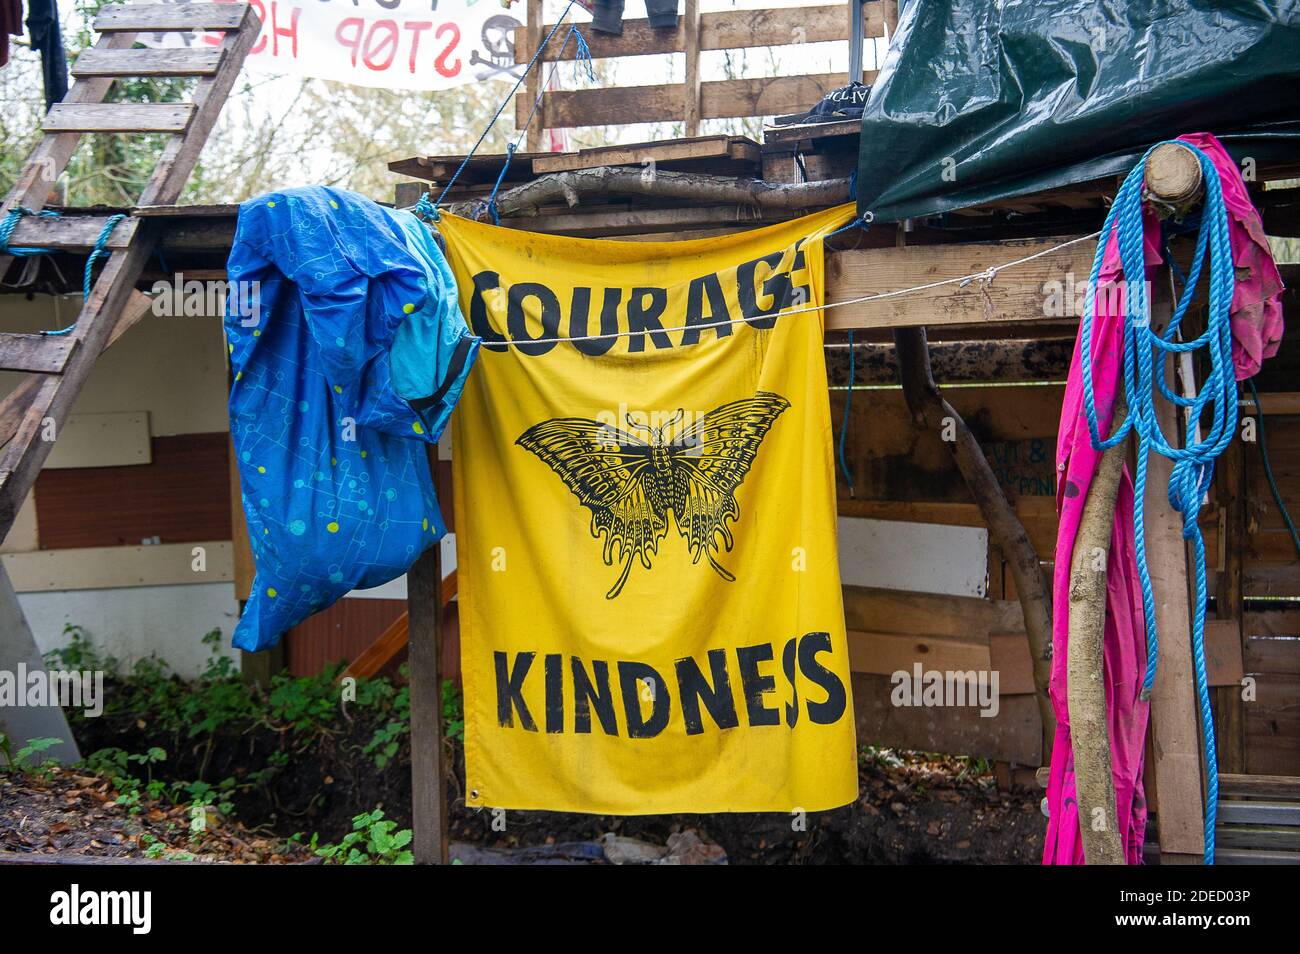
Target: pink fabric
[1257, 299]
[1257, 329]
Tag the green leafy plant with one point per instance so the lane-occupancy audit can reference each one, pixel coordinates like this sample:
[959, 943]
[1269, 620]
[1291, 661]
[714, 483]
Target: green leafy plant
[372, 841]
[19, 761]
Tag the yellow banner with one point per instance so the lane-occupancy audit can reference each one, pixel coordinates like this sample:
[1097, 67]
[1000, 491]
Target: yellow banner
[651, 617]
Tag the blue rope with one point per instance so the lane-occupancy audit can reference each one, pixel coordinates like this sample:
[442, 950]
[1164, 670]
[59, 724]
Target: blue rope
[1144, 371]
[11, 222]
[100, 249]
[429, 210]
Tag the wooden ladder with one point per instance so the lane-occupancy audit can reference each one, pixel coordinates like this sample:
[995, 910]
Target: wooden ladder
[59, 365]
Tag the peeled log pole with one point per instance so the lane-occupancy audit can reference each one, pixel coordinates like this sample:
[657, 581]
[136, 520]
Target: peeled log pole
[929, 411]
[569, 188]
[1089, 731]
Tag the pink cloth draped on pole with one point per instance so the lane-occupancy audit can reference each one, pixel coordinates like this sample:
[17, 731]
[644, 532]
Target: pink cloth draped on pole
[1256, 321]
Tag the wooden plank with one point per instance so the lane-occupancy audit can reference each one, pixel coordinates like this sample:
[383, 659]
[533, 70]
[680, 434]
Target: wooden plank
[164, 17]
[117, 567]
[1223, 660]
[666, 154]
[71, 232]
[1268, 838]
[627, 221]
[811, 132]
[1014, 295]
[533, 35]
[428, 773]
[1013, 735]
[147, 62]
[1246, 856]
[1009, 655]
[379, 653]
[723, 30]
[1175, 731]
[1273, 726]
[690, 24]
[1259, 813]
[44, 354]
[902, 611]
[1259, 786]
[888, 653]
[119, 118]
[719, 99]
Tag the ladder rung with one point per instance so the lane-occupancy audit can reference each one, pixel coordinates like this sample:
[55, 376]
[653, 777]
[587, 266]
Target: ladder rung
[39, 353]
[70, 232]
[119, 117]
[102, 61]
[149, 17]
[1259, 813]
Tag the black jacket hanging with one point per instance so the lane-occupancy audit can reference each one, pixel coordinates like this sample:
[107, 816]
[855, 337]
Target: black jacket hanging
[47, 38]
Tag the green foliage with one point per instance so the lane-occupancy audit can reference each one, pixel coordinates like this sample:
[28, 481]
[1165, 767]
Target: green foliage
[18, 761]
[372, 841]
[453, 712]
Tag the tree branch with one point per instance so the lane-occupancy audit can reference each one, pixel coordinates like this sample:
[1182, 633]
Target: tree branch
[930, 412]
[1089, 731]
[570, 188]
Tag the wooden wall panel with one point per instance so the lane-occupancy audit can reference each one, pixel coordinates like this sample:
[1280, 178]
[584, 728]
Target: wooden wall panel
[338, 634]
[182, 496]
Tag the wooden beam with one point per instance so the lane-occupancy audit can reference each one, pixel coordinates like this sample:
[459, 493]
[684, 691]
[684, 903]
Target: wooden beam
[956, 362]
[42, 354]
[119, 118]
[149, 18]
[147, 62]
[1023, 293]
[71, 232]
[723, 30]
[533, 33]
[1175, 731]
[428, 765]
[719, 99]
[690, 24]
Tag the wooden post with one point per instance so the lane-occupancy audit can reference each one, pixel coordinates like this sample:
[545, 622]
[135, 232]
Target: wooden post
[1175, 726]
[691, 45]
[1089, 568]
[534, 30]
[1230, 728]
[428, 778]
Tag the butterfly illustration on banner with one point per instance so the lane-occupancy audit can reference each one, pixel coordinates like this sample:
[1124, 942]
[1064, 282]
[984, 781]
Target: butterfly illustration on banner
[630, 485]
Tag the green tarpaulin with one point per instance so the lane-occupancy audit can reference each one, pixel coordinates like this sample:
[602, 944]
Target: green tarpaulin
[983, 100]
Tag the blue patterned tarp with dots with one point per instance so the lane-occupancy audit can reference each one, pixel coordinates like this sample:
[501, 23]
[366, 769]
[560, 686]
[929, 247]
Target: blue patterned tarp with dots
[349, 352]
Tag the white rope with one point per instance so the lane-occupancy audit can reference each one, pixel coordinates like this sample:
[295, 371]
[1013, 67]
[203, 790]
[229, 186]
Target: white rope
[987, 275]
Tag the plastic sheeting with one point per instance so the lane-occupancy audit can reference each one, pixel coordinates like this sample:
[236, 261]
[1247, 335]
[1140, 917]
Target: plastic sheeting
[349, 352]
[979, 101]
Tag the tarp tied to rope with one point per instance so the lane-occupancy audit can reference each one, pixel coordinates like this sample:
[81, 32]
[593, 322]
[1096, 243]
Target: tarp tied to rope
[1119, 347]
[349, 352]
[980, 101]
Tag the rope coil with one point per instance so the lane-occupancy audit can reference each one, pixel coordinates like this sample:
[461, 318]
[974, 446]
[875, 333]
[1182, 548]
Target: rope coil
[1145, 351]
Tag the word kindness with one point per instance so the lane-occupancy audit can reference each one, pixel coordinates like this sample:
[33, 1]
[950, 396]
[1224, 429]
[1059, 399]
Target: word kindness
[569, 693]
[532, 315]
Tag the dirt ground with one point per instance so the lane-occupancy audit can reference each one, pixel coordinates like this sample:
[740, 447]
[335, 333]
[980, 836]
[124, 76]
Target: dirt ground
[912, 809]
[63, 812]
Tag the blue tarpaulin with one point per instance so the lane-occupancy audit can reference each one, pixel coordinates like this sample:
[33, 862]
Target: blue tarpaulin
[349, 353]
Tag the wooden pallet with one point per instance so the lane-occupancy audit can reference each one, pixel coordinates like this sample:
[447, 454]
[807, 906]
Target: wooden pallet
[59, 365]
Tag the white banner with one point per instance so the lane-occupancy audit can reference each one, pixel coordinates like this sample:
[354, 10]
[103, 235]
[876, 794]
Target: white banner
[393, 44]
